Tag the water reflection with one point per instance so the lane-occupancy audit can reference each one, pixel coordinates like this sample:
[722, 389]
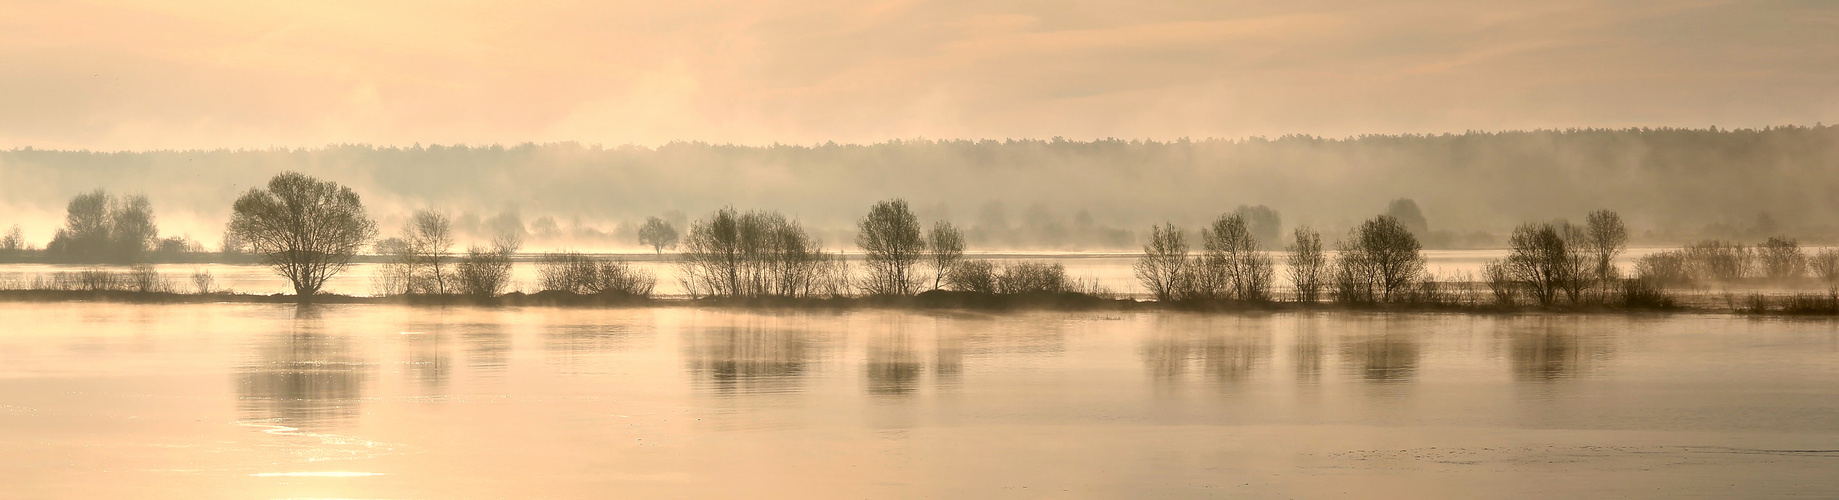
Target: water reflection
[428, 362]
[571, 344]
[303, 377]
[1377, 350]
[893, 366]
[488, 347]
[1554, 349]
[1226, 350]
[1308, 352]
[752, 354]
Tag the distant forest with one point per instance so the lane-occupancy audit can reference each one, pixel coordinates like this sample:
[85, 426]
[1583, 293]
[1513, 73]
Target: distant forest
[1672, 185]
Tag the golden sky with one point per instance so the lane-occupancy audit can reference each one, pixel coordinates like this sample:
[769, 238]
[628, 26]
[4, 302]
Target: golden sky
[256, 73]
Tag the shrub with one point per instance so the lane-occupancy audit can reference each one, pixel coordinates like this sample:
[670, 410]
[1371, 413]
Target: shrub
[1501, 283]
[1033, 277]
[1664, 268]
[579, 274]
[1643, 293]
[1781, 259]
[1718, 260]
[1825, 265]
[973, 276]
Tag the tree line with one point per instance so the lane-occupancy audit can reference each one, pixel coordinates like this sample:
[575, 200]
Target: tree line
[308, 230]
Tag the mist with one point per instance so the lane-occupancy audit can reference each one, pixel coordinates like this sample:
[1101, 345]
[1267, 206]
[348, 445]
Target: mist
[1671, 184]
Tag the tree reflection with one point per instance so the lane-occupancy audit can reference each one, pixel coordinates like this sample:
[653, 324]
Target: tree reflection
[748, 357]
[428, 361]
[1225, 353]
[1379, 354]
[893, 367]
[1308, 352]
[488, 347]
[303, 377]
[568, 344]
[1554, 349]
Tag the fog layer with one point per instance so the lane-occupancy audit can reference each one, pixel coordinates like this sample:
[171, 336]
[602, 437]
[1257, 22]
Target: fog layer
[1670, 184]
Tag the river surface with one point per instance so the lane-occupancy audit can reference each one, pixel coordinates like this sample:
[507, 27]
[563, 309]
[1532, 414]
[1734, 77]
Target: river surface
[380, 401]
[1112, 272]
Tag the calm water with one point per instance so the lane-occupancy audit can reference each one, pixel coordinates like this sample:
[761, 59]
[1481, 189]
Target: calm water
[371, 401]
[1111, 271]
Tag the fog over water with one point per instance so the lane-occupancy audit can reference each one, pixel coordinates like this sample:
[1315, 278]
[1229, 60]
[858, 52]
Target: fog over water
[156, 401]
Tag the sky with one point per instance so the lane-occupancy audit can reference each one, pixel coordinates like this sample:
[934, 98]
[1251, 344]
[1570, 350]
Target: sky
[165, 74]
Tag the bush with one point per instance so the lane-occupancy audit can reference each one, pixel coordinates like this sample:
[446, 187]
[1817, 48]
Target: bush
[1781, 259]
[1718, 260]
[1501, 284]
[486, 272]
[972, 276]
[144, 278]
[1808, 303]
[203, 282]
[1825, 265]
[1643, 293]
[757, 254]
[582, 275]
[1033, 277]
[1665, 268]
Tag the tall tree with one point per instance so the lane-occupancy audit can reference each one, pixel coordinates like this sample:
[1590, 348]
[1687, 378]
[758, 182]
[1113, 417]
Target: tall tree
[1163, 268]
[305, 228]
[947, 245]
[890, 236]
[658, 234]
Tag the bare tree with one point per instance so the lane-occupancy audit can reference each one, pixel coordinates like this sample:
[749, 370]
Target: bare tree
[658, 234]
[1384, 255]
[430, 237]
[1537, 260]
[1781, 258]
[946, 243]
[1825, 265]
[1163, 268]
[890, 237]
[756, 254]
[1232, 266]
[1607, 239]
[305, 228]
[486, 271]
[1307, 265]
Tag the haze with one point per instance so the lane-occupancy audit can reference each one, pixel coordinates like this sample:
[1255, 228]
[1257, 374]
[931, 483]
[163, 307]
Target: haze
[255, 74]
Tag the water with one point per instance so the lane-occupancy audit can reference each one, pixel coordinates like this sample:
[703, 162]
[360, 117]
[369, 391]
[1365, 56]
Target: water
[1111, 271]
[378, 401]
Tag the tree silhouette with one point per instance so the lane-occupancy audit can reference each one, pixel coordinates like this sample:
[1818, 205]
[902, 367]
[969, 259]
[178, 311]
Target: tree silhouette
[658, 234]
[890, 237]
[1408, 215]
[1163, 268]
[305, 228]
[947, 245]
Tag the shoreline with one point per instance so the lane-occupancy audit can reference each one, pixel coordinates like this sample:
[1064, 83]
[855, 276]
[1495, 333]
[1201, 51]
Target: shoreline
[933, 301]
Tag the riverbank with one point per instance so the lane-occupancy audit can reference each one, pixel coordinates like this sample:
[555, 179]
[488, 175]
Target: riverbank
[1752, 304]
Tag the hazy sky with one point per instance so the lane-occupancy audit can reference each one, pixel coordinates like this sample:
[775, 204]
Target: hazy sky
[252, 73]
